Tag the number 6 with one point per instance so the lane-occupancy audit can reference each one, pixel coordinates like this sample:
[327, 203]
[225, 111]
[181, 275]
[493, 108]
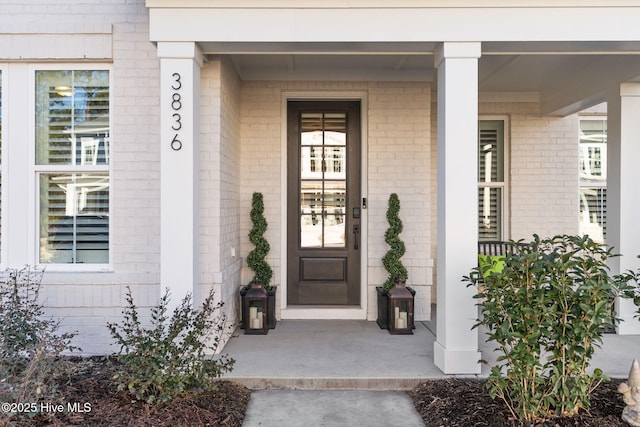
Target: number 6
[176, 144]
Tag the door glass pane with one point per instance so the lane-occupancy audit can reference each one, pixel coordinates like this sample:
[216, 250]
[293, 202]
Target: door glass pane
[335, 162]
[335, 193]
[311, 129]
[311, 197]
[311, 162]
[335, 126]
[322, 179]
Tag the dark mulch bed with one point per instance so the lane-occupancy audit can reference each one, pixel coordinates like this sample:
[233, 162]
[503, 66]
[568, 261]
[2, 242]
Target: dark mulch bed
[91, 383]
[455, 402]
[462, 402]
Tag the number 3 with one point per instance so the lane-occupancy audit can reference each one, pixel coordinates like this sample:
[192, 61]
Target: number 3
[177, 81]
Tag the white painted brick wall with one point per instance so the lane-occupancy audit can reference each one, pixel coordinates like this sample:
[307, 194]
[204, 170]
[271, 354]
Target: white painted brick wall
[245, 155]
[220, 181]
[398, 161]
[544, 170]
[260, 119]
[86, 301]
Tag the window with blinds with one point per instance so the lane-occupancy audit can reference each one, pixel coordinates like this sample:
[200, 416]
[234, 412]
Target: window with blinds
[593, 178]
[491, 183]
[72, 165]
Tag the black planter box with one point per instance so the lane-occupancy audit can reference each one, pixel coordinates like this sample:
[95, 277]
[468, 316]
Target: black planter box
[383, 308]
[271, 306]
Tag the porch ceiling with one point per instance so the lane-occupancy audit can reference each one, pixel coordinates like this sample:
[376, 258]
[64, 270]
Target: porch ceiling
[567, 76]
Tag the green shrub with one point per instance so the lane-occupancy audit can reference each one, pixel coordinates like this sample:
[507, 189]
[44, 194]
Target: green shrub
[30, 345]
[392, 259]
[256, 259]
[158, 363]
[547, 311]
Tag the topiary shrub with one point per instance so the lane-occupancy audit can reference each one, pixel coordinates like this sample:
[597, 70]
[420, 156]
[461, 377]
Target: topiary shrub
[256, 259]
[547, 311]
[392, 259]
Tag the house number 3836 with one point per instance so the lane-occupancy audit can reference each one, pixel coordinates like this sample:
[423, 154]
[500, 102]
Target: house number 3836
[176, 106]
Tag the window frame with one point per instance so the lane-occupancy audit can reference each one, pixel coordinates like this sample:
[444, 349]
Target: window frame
[595, 184]
[36, 171]
[504, 185]
[3, 162]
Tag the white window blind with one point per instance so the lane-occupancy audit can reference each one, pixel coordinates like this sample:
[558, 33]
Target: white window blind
[490, 179]
[72, 158]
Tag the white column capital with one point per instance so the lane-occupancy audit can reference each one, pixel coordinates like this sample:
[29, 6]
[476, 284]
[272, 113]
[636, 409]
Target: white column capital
[181, 50]
[629, 89]
[457, 50]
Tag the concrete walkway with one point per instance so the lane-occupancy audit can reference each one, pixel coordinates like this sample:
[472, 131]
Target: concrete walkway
[340, 373]
[335, 408]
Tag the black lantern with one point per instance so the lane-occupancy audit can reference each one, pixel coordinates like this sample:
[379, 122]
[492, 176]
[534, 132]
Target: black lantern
[400, 310]
[255, 310]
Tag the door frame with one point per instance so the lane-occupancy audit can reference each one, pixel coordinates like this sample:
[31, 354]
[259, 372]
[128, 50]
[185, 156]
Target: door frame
[312, 312]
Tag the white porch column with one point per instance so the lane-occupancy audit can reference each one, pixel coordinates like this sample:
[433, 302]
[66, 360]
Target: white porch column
[623, 193]
[456, 346]
[180, 64]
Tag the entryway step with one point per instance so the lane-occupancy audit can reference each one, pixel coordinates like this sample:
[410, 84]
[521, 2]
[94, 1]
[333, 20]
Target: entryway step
[379, 384]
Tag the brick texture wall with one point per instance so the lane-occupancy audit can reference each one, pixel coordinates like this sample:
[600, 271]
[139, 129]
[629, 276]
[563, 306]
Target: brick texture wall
[241, 152]
[398, 160]
[544, 170]
[86, 301]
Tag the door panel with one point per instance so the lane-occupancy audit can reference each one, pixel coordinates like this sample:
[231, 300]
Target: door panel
[323, 152]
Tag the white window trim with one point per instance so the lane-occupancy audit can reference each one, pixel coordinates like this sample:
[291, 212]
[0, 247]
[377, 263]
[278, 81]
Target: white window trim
[3, 162]
[36, 170]
[505, 232]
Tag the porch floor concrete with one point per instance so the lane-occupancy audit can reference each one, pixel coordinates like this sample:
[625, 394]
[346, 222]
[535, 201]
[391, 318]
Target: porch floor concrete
[358, 355]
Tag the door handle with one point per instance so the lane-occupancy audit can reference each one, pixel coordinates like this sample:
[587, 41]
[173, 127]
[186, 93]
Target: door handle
[356, 236]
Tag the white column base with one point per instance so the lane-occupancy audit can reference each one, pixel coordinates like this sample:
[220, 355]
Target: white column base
[629, 325]
[456, 361]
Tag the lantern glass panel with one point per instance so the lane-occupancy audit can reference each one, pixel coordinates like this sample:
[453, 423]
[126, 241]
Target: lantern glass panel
[256, 315]
[401, 314]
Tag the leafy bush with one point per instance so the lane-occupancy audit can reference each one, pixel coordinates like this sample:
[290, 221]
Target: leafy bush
[392, 259]
[256, 259]
[159, 363]
[29, 343]
[547, 311]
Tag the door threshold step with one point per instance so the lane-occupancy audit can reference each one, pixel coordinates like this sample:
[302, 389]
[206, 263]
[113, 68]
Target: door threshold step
[253, 383]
